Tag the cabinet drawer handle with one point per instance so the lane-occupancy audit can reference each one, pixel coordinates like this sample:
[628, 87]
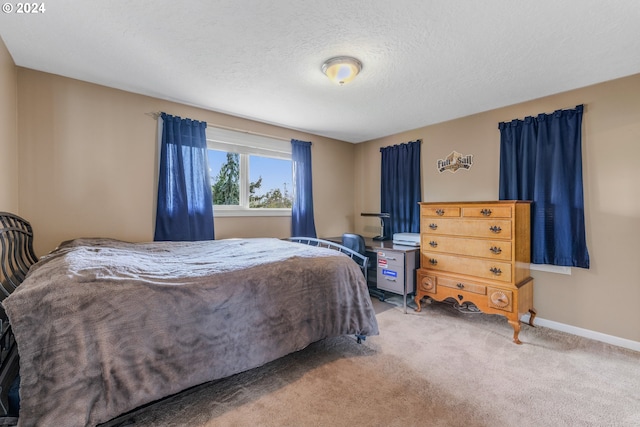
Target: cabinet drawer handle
[486, 212]
[495, 229]
[439, 212]
[496, 250]
[496, 271]
[460, 286]
[433, 226]
[433, 261]
[433, 244]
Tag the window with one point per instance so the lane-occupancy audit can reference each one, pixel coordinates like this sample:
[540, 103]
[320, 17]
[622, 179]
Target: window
[250, 174]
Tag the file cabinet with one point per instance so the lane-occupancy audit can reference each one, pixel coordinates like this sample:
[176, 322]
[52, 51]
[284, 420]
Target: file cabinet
[396, 270]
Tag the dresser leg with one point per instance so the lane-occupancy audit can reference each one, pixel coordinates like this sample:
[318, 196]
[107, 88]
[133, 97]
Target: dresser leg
[417, 300]
[516, 330]
[532, 316]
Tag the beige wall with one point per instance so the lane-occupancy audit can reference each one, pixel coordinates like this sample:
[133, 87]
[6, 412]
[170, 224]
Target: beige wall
[88, 164]
[602, 298]
[8, 132]
[87, 160]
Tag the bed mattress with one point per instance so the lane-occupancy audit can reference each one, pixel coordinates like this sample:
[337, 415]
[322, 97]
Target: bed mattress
[105, 326]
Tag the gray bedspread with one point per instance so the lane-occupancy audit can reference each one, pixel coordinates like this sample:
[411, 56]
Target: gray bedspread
[105, 326]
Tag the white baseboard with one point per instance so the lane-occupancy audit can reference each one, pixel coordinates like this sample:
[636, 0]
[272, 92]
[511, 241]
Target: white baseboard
[586, 333]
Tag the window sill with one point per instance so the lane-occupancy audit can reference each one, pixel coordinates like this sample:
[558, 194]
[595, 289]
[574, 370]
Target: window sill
[551, 268]
[223, 213]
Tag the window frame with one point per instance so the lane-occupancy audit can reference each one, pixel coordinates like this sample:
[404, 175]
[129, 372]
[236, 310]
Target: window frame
[247, 144]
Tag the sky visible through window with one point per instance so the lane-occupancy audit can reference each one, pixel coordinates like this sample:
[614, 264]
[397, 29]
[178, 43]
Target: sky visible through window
[276, 173]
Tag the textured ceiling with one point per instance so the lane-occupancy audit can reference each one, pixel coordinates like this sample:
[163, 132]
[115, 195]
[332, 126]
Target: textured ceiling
[425, 61]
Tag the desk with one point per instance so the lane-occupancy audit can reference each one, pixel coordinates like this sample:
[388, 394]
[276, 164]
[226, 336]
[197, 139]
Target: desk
[395, 266]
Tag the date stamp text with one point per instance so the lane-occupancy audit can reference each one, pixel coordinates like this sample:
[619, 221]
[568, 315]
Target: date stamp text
[23, 8]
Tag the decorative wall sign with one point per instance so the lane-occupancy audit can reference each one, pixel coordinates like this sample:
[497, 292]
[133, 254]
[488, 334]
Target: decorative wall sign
[455, 161]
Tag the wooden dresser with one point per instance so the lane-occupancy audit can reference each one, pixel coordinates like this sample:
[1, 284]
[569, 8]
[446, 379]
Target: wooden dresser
[477, 252]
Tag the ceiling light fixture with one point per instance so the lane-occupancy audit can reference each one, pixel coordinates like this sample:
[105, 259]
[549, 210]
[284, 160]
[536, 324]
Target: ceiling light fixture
[341, 69]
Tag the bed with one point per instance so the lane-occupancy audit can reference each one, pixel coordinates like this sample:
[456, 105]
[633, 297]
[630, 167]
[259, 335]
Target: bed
[104, 326]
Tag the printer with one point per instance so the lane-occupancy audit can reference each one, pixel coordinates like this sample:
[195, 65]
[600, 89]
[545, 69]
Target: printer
[406, 239]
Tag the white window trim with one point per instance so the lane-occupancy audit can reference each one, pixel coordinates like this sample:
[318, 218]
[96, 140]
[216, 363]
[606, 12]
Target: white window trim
[248, 144]
[549, 268]
[228, 211]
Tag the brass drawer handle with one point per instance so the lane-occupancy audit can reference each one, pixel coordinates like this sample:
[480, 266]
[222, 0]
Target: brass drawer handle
[433, 244]
[495, 229]
[433, 261]
[496, 271]
[496, 250]
[439, 212]
[486, 212]
[433, 226]
[460, 286]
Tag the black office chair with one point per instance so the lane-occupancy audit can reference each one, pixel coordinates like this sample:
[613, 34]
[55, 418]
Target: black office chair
[356, 243]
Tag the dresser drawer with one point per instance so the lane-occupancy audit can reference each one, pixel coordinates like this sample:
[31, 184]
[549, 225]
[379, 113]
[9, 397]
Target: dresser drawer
[462, 285]
[490, 228]
[487, 211]
[486, 269]
[493, 249]
[426, 282]
[502, 299]
[440, 211]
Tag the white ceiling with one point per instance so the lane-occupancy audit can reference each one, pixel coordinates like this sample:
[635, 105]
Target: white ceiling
[425, 61]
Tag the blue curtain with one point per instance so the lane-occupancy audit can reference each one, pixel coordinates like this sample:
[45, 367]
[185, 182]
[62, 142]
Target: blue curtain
[541, 161]
[185, 208]
[401, 188]
[302, 222]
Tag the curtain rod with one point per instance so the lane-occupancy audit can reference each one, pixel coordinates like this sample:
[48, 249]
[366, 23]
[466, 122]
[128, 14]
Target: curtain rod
[155, 116]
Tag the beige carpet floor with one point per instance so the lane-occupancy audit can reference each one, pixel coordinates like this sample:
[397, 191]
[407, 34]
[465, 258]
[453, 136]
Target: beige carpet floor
[439, 367]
